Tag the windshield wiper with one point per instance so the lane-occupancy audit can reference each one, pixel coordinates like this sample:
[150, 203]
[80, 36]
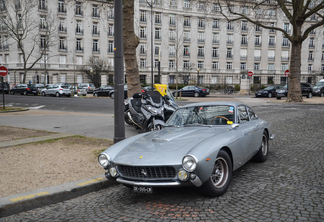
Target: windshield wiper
[197, 124]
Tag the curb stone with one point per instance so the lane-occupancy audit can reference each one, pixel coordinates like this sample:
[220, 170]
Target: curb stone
[18, 203]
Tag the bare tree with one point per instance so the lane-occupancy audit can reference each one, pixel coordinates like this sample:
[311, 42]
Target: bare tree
[303, 16]
[94, 68]
[32, 35]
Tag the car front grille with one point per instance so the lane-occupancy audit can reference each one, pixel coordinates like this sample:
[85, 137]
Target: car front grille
[157, 172]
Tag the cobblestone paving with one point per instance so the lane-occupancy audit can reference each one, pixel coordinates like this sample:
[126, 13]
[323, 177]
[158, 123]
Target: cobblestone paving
[287, 187]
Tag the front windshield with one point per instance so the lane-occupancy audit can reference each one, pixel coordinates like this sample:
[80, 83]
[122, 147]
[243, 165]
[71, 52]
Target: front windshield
[203, 115]
[170, 95]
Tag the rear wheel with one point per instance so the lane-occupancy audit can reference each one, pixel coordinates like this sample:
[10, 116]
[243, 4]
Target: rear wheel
[270, 95]
[127, 119]
[96, 94]
[196, 94]
[322, 94]
[262, 154]
[43, 94]
[220, 177]
[310, 95]
[112, 95]
[25, 93]
[12, 92]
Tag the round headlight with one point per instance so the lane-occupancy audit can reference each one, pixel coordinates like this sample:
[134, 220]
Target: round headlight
[113, 171]
[104, 160]
[189, 163]
[182, 175]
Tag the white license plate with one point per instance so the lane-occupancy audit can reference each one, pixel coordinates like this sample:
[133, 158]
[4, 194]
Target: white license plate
[138, 189]
[33, 91]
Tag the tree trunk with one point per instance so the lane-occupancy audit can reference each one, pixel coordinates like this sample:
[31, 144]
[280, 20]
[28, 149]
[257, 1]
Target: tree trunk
[131, 42]
[294, 88]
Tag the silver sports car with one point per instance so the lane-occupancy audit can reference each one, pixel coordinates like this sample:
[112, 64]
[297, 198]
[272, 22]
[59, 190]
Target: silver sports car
[201, 145]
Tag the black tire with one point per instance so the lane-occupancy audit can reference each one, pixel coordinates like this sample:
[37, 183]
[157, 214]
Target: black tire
[263, 152]
[322, 94]
[12, 92]
[57, 94]
[69, 95]
[25, 93]
[220, 177]
[127, 120]
[270, 95]
[196, 94]
[278, 98]
[96, 95]
[310, 95]
[112, 95]
[43, 94]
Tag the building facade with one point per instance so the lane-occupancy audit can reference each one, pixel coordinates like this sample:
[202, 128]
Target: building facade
[192, 41]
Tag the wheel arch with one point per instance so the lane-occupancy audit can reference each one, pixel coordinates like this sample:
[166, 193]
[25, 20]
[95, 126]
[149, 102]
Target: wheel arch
[229, 152]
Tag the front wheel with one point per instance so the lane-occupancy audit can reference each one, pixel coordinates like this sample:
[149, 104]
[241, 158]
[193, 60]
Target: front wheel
[25, 93]
[310, 95]
[196, 94]
[96, 94]
[112, 95]
[270, 95]
[57, 94]
[220, 177]
[43, 94]
[12, 92]
[322, 94]
[127, 119]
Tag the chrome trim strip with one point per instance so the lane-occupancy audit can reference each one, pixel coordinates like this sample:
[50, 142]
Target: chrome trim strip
[148, 184]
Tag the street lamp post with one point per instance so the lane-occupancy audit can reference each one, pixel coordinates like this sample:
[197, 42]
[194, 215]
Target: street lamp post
[152, 77]
[198, 76]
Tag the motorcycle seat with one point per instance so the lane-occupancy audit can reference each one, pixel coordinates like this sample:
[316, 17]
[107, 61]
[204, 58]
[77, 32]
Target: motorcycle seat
[136, 103]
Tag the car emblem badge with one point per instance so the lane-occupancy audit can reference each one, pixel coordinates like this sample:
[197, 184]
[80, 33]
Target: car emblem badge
[143, 172]
[141, 157]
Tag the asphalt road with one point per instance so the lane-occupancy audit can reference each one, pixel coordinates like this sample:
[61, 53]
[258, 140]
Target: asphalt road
[289, 186]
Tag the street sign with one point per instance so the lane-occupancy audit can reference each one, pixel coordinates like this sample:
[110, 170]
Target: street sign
[287, 72]
[3, 71]
[250, 73]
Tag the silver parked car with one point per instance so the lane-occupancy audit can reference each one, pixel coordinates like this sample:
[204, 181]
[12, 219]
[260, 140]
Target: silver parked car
[79, 91]
[56, 90]
[200, 146]
[88, 86]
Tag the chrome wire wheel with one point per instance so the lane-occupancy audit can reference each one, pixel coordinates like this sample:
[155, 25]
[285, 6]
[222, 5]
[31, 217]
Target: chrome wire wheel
[220, 173]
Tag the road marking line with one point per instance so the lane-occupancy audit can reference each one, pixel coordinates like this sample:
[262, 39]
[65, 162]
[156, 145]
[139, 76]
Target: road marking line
[90, 181]
[29, 196]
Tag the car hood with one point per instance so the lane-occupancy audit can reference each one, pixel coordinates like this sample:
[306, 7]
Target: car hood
[165, 147]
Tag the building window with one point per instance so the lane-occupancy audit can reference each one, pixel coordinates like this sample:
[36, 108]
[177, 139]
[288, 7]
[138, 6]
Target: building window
[271, 54]
[142, 16]
[286, 27]
[172, 19]
[110, 29]
[230, 39]
[186, 64]
[229, 53]
[157, 33]
[243, 53]
[245, 10]
[270, 66]
[78, 28]
[201, 51]
[285, 42]
[216, 7]
[95, 11]
[78, 8]
[215, 24]
[284, 66]
[186, 50]
[110, 46]
[201, 65]
[142, 63]
[157, 50]
[256, 66]
[272, 40]
[95, 28]
[229, 65]
[186, 21]
[257, 40]
[62, 43]
[171, 50]
[173, 3]
[257, 54]
[158, 18]
[311, 43]
[230, 25]
[244, 26]
[95, 45]
[42, 5]
[244, 40]
[258, 28]
[243, 66]
[61, 6]
[201, 23]
[215, 38]
[142, 48]
[143, 32]
[186, 3]
[215, 52]
[310, 67]
[79, 45]
[201, 37]
[310, 56]
[270, 80]
[111, 14]
[171, 64]
[186, 36]
[172, 34]
[42, 42]
[215, 65]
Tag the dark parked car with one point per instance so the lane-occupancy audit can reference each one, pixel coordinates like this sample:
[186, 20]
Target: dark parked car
[6, 87]
[195, 91]
[24, 89]
[307, 90]
[112, 93]
[103, 91]
[270, 91]
[319, 88]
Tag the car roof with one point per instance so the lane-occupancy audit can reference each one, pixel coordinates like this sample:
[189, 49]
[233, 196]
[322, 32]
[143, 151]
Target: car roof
[225, 103]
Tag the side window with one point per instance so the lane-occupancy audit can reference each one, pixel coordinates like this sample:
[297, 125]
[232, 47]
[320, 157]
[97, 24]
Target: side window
[185, 88]
[242, 114]
[252, 114]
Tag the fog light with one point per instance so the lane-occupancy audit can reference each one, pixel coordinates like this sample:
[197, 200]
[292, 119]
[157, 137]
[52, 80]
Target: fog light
[182, 175]
[113, 171]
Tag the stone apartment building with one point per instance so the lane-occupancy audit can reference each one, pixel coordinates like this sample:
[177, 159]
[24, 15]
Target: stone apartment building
[191, 40]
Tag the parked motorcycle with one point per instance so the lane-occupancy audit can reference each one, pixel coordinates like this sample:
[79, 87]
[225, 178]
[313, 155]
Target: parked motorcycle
[145, 111]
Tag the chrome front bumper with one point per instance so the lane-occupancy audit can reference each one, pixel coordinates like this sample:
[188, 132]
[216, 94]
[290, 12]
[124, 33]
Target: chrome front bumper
[148, 184]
